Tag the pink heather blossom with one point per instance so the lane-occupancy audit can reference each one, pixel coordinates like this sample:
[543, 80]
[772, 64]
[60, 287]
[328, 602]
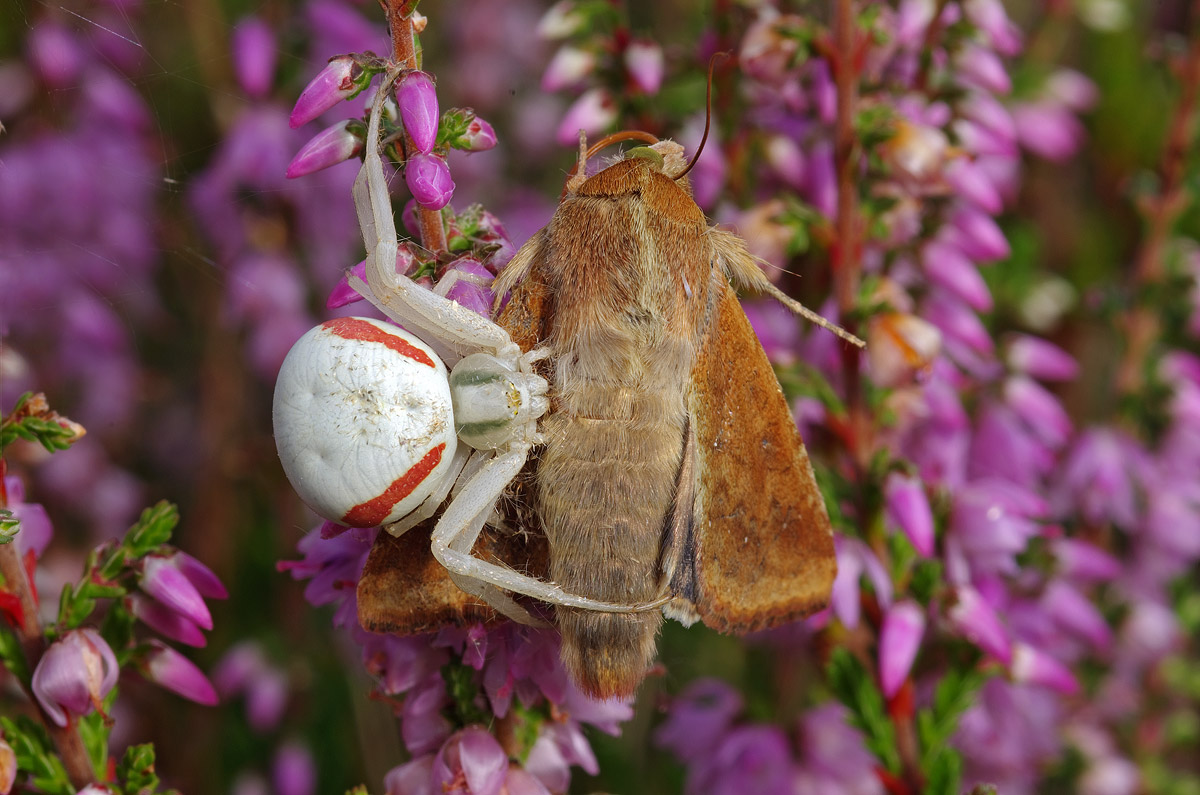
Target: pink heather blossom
[428, 178]
[74, 675]
[55, 53]
[334, 83]
[908, 507]
[568, 68]
[701, 713]
[471, 762]
[165, 621]
[414, 777]
[978, 622]
[1040, 359]
[899, 640]
[1048, 129]
[171, 670]
[479, 136]
[329, 147]
[293, 771]
[1037, 667]
[948, 267]
[164, 581]
[594, 112]
[644, 62]
[417, 98]
[254, 54]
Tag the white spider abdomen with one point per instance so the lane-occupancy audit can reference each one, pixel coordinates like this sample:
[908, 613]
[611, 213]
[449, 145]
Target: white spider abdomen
[363, 421]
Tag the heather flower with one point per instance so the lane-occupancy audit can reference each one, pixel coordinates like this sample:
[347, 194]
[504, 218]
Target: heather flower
[1074, 613]
[293, 771]
[644, 62]
[165, 621]
[832, 757]
[35, 532]
[254, 55]
[1035, 666]
[855, 559]
[169, 669]
[594, 112]
[414, 777]
[908, 508]
[471, 762]
[948, 267]
[1039, 409]
[74, 675]
[1038, 358]
[747, 759]
[900, 347]
[978, 622]
[1048, 129]
[569, 66]
[336, 82]
[699, 716]
[417, 98]
[244, 670]
[899, 640]
[329, 147]
[563, 19]
[167, 583]
[971, 181]
[54, 53]
[1097, 479]
[428, 178]
[470, 284]
[479, 136]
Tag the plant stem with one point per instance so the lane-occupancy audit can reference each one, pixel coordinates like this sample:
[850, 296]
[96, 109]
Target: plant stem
[16, 581]
[1161, 212]
[847, 246]
[404, 51]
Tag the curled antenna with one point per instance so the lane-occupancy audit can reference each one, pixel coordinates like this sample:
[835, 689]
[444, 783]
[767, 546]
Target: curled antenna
[588, 152]
[712, 65]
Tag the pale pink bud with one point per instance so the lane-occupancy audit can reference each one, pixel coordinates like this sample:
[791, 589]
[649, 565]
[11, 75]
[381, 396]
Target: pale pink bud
[593, 113]
[428, 178]
[479, 136]
[1073, 89]
[327, 148]
[1034, 666]
[899, 640]
[163, 580]
[1041, 359]
[254, 53]
[908, 508]
[644, 60]
[1083, 562]
[948, 267]
[979, 67]
[1048, 129]
[973, 183]
[169, 669]
[74, 675]
[916, 151]
[569, 66]
[562, 20]
[417, 98]
[976, 620]
[332, 84]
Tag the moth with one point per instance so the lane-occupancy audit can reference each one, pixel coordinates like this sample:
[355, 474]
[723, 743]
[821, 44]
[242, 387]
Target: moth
[671, 480]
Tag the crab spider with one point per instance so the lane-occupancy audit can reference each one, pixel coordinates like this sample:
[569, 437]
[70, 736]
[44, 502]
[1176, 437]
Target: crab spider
[360, 401]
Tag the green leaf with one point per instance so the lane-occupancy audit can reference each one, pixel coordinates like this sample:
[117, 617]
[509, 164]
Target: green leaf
[117, 631]
[152, 530]
[136, 770]
[854, 687]
[32, 747]
[12, 655]
[94, 732]
[936, 725]
[943, 776]
[464, 694]
[9, 525]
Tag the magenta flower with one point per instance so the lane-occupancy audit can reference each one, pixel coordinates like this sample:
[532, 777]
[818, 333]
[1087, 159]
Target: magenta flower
[947, 266]
[699, 716]
[414, 777]
[417, 98]
[1098, 478]
[34, 535]
[254, 55]
[978, 622]
[1036, 667]
[169, 669]
[166, 582]
[1036, 357]
[55, 53]
[832, 755]
[165, 621]
[429, 180]
[1039, 409]
[293, 771]
[971, 181]
[327, 148]
[899, 640]
[471, 762]
[644, 62]
[908, 507]
[1083, 562]
[748, 759]
[74, 675]
[470, 284]
[1048, 129]
[334, 83]
[1074, 613]
[594, 112]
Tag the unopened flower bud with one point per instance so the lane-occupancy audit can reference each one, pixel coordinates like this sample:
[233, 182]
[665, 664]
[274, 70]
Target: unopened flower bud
[479, 136]
[169, 669]
[569, 66]
[470, 761]
[899, 640]
[429, 180]
[327, 148]
[593, 113]
[418, 103]
[562, 20]
[337, 81]
[74, 675]
[644, 61]
[254, 53]
[165, 582]
[908, 508]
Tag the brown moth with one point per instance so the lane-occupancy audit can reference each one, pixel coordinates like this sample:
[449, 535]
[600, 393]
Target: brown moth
[672, 472]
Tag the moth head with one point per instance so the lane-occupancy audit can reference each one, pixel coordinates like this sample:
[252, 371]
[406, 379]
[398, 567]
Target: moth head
[664, 156]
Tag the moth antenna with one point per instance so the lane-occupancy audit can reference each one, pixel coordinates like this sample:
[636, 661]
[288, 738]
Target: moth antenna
[578, 172]
[800, 309]
[712, 65]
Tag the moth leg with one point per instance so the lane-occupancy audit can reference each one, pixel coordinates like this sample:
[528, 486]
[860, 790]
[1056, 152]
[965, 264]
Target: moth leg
[460, 525]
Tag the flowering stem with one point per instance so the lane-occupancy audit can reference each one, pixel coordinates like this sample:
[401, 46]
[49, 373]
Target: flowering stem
[404, 50]
[1161, 212]
[16, 581]
[847, 246]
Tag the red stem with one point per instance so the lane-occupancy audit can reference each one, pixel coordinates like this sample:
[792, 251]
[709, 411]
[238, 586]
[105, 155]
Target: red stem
[404, 51]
